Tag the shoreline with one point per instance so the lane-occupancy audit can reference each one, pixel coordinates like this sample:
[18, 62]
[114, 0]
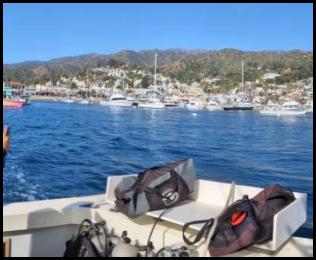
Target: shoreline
[50, 98]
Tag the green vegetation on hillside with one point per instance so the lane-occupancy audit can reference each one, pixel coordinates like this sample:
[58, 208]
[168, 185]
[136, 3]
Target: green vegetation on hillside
[185, 66]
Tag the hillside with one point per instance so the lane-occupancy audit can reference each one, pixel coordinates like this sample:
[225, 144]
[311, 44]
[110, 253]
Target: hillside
[183, 65]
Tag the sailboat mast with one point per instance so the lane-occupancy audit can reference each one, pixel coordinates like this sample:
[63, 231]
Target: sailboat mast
[87, 84]
[242, 75]
[156, 54]
[123, 86]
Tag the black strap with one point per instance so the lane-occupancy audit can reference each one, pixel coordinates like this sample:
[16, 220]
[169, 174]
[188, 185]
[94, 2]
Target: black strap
[82, 226]
[203, 232]
[287, 195]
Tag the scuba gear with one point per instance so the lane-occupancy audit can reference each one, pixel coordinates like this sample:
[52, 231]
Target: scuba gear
[245, 222]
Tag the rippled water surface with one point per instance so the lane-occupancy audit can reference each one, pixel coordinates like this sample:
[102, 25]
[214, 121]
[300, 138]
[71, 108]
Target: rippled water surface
[64, 150]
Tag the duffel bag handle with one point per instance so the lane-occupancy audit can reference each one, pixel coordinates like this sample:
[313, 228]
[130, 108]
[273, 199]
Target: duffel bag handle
[203, 232]
[287, 195]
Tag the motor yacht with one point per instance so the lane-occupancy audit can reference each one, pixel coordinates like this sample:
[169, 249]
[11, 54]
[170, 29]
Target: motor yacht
[290, 108]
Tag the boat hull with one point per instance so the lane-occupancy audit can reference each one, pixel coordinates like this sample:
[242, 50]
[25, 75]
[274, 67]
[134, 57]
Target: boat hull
[12, 104]
[282, 113]
[152, 105]
[84, 102]
[238, 108]
[125, 103]
[214, 108]
[194, 107]
[69, 101]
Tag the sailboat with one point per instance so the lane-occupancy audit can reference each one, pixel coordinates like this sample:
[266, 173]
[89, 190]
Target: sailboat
[153, 102]
[243, 104]
[85, 101]
[67, 99]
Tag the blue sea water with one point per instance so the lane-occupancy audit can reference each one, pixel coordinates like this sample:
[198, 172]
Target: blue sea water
[64, 150]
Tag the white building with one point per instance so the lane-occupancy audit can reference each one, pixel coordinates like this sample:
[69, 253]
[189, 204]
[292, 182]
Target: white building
[270, 76]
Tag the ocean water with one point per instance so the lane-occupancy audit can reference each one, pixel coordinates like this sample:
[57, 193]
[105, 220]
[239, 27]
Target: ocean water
[64, 150]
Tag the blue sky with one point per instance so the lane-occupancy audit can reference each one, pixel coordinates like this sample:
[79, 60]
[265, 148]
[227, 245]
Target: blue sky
[46, 31]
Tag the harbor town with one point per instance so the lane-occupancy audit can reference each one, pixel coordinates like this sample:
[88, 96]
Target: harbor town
[101, 84]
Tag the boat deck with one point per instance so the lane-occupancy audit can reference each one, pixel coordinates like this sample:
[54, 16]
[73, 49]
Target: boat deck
[20, 220]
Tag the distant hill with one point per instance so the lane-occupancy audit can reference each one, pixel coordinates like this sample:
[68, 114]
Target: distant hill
[184, 65]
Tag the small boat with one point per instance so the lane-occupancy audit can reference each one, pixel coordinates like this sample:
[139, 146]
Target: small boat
[170, 103]
[13, 103]
[182, 103]
[41, 228]
[153, 103]
[84, 102]
[290, 108]
[309, 107]
[25, 99]
[213, 106]
[117, 100]
[195, 104]
[67, 100]
[242, 105]
[132, 99]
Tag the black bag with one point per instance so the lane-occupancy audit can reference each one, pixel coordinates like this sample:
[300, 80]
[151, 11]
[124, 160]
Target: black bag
[156, 188]
[245, 222]
[83, 243]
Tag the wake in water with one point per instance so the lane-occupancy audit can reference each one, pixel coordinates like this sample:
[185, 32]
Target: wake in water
[18, 187]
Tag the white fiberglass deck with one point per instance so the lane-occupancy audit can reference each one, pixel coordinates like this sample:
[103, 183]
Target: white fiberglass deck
[41, 228]
[209, 199]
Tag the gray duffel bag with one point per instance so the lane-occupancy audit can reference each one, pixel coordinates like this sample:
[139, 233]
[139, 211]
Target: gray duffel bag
[156, 188]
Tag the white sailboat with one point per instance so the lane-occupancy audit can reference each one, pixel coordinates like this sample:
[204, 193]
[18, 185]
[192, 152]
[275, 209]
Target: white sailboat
[67, 99]
[153, 102]
[86, 100]
[243, 103]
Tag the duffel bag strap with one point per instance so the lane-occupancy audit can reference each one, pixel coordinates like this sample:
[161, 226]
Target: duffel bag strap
[286, 195]
[203, 232]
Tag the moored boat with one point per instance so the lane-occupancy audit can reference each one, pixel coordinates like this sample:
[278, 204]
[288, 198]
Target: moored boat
[153, 103]
[84, 102]
[239, 106]
[117, 100]
[195, 104]
[213, 106]
[13, 103]
[67, 100]
[290, 108]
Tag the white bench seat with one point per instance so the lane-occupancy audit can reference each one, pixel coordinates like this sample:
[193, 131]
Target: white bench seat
[209, 199]
[187, 212]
